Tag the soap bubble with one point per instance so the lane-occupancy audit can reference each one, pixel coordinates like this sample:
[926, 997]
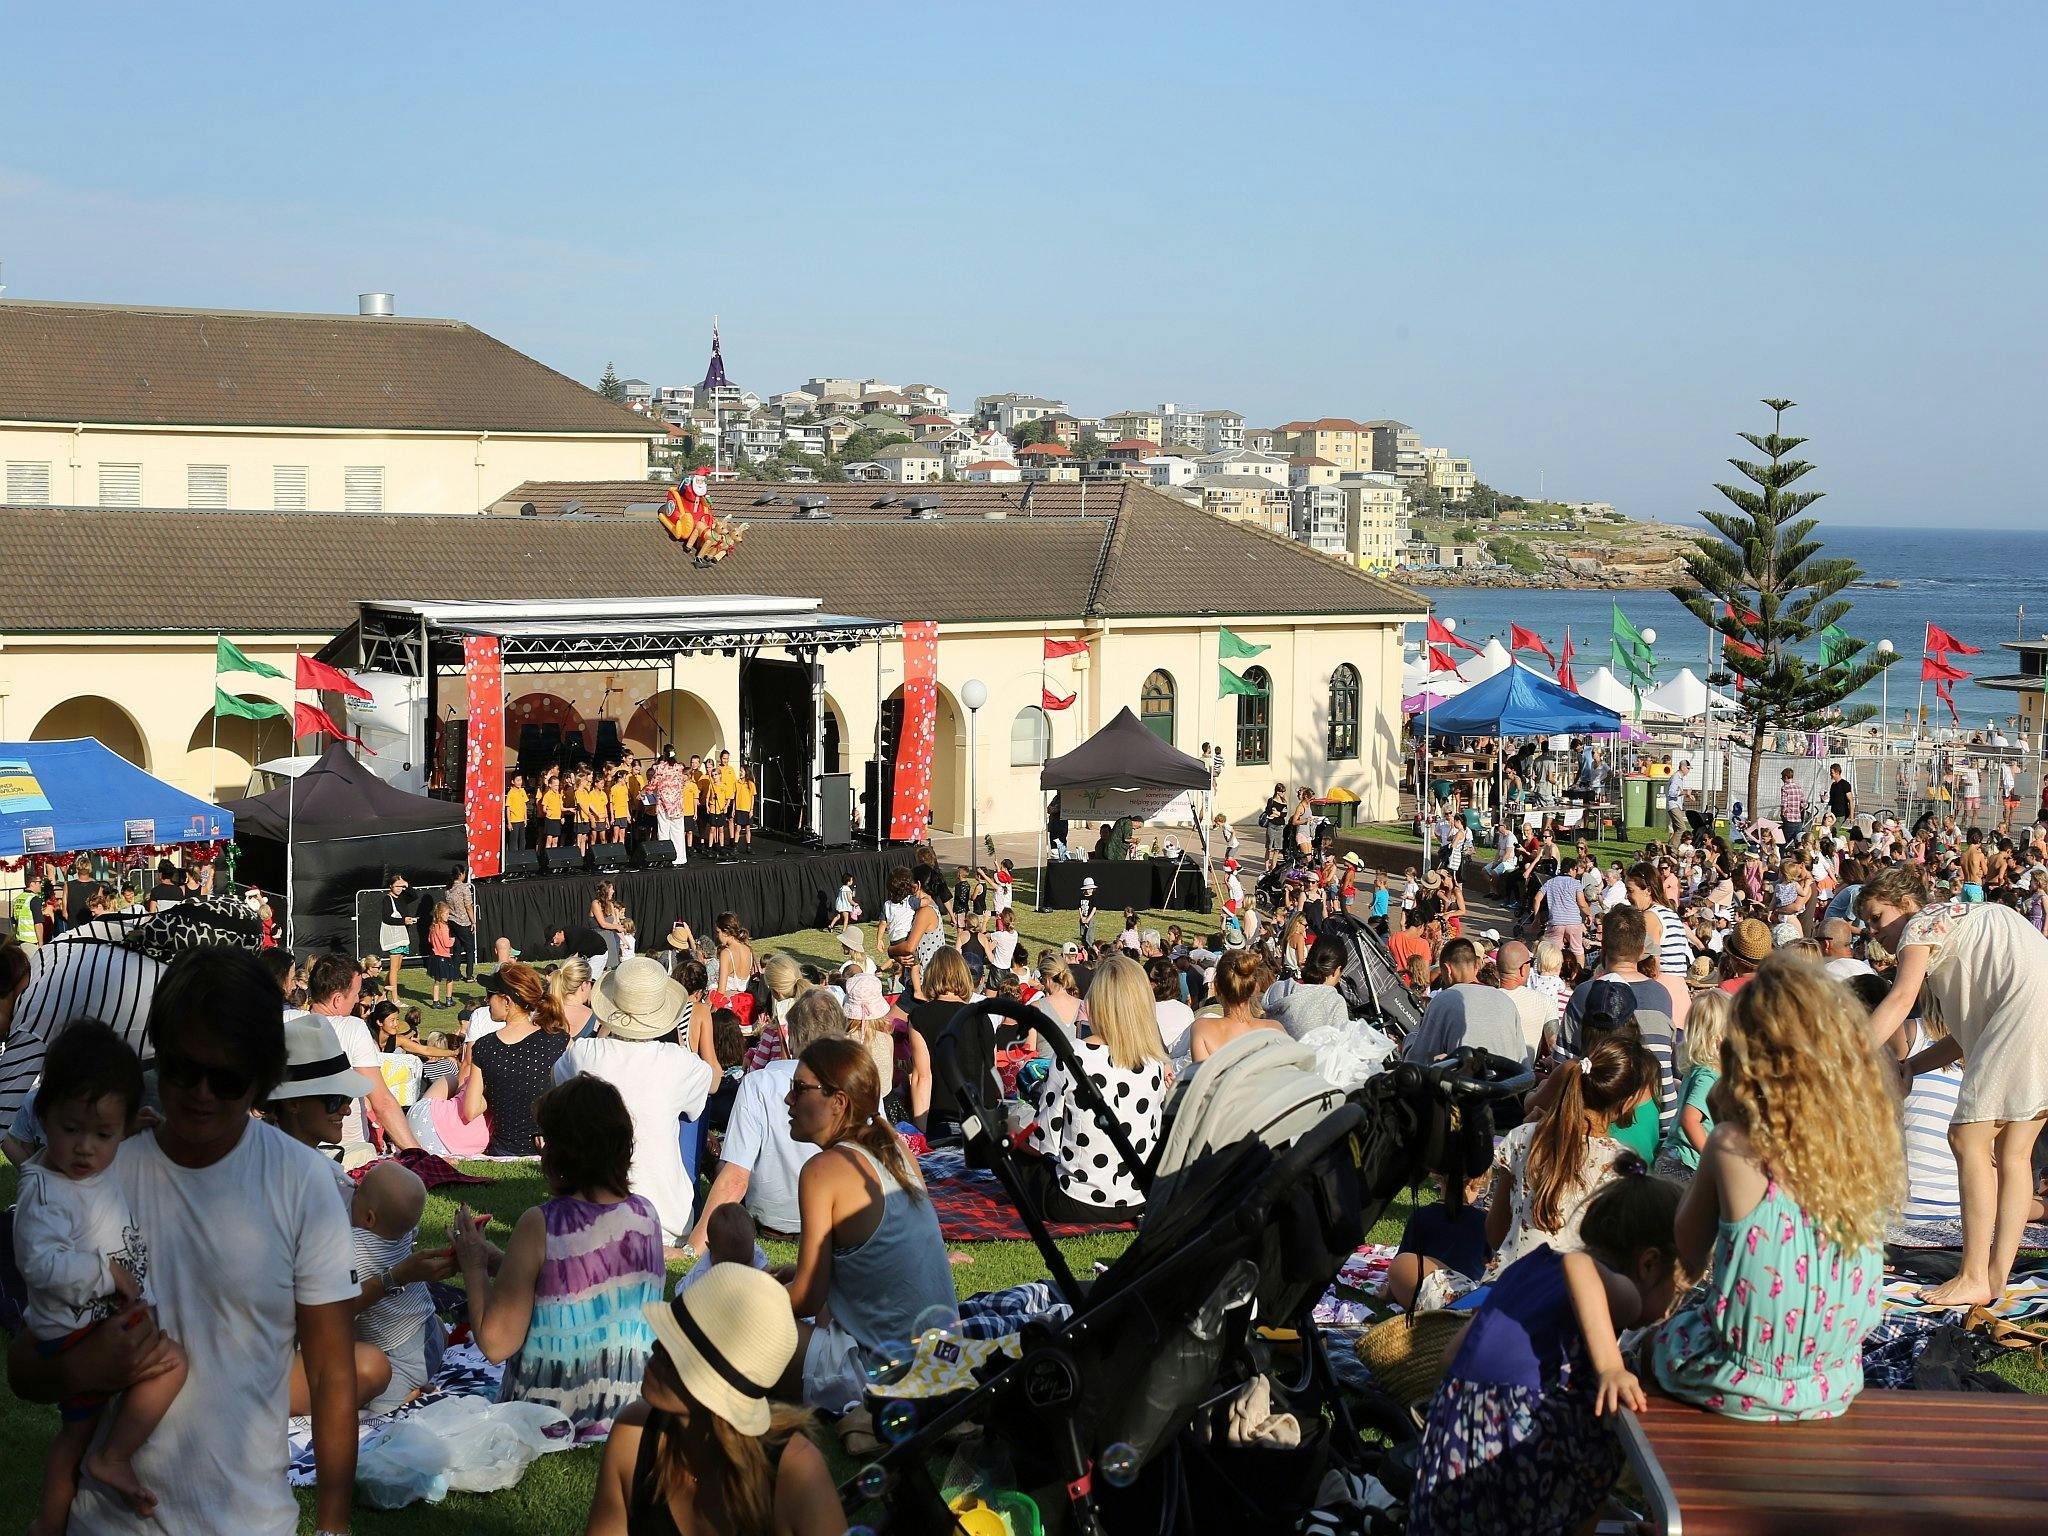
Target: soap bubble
[933, 1323]
[860, 1530]
[872, 1481]
[887, 1362]
[1119, 1465]
[897, 1421]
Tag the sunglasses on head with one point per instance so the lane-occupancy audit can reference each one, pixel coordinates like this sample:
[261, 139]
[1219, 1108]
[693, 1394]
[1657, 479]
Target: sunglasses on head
[221, 1082]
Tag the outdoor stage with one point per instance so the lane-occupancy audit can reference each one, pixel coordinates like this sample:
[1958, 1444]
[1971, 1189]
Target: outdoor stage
[772, 888]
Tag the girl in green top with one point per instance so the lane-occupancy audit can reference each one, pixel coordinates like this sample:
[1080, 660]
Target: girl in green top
[1704, 1028]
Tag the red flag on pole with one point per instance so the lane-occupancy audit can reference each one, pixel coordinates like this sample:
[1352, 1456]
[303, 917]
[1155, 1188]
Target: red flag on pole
[317, 674]
[1564, 664]
[1440, 635]
[1940, 642]
[312, 720]
[1057, 648]
[1441, 662]
[1520, 639]
[1047, 699]
[1933, 669]
[1941, 692]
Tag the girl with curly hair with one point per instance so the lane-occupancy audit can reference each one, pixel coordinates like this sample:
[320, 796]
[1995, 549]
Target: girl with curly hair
[1798, 1179]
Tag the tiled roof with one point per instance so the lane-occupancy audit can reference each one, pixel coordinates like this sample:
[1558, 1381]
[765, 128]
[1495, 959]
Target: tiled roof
[906, 451]
[1046, 451]
[1122, 551]
[1311, 461]
[236, 368]
[1324, 424]
[1132, 445]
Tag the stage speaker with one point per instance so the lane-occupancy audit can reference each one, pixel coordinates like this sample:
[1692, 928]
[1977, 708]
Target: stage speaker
[659, 853]
[835, 821]
[610, 855]
[454, 753]
[521, 861]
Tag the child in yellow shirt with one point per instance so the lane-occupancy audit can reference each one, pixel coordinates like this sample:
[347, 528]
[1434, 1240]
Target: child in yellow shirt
[622, 804]
[551, 809]
[743, 805]
[517, 808]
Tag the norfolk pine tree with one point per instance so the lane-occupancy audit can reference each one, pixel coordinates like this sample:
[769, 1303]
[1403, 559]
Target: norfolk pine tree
[1760, 585]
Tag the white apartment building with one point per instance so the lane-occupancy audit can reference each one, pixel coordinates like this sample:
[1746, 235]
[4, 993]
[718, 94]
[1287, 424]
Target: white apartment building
[1320, 519]
[930, 396]
[833, 389]
[911, 463]
[1245, 461]
[1222, 431]
[757, 435]
[1245, 499]
[1182, 426]
[1169, 471]
[1007, 412]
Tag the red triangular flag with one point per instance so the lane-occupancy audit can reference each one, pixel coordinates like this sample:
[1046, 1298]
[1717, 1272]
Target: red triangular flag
[1935, 670]
[1520, 639]
[1439, 661]
[312, 720]
[1439, 635]
[1565, 679]
[1047, 699]
[317, 674]
[1941, 692]
[1940, 642]
[1057, 648]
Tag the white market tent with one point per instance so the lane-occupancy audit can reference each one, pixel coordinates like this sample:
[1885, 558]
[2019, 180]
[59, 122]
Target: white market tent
[1604, 689]
[1684, 697]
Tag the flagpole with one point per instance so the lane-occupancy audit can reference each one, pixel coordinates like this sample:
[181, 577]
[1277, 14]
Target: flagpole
[213, 753]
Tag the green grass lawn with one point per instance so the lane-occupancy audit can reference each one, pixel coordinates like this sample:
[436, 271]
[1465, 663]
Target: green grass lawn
[1606, 850]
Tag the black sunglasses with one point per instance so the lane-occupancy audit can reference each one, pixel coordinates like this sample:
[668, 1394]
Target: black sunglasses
[221, 1082]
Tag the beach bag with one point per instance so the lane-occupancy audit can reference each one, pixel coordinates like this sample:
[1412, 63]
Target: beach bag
[461, 1443]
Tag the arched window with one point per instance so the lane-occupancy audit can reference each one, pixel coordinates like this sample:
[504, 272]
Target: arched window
[1255, 719]
[1343, 713]
[1155, 705]
[1030, 737]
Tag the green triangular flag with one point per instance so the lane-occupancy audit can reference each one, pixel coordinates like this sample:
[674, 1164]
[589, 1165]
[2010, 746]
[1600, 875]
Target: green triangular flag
[228, 657]
[1228, 682]
[225, 703]
[1835, 646]
[1229, 645]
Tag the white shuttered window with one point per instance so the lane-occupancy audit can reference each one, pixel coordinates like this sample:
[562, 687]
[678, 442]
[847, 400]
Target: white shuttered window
[362, 488]
[28, 482]
[288, 487]
[120, 485]
[206, 485]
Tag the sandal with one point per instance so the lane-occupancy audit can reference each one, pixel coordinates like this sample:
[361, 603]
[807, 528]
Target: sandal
[857, 1432]
[2030, 1337]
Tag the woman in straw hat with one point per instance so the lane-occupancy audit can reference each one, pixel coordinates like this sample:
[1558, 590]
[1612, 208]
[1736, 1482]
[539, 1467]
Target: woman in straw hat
[871, 1265]
[640, 1010]
[564, 1306]
[703, 1450]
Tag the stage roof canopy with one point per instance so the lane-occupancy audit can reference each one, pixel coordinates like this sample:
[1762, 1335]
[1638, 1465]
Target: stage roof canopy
[564, 635]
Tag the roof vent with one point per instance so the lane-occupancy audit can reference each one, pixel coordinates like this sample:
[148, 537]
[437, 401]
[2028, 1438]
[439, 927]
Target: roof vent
[375, 304]
[814, 509]
[923, 509]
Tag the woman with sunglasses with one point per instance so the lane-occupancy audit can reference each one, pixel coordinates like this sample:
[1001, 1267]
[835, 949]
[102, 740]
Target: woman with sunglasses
[318, 1088]
[871, 1264]
[513, 1067]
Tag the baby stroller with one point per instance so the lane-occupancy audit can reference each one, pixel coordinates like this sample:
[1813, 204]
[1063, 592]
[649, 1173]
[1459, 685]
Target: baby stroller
[1370, 983]
[1251, 1212]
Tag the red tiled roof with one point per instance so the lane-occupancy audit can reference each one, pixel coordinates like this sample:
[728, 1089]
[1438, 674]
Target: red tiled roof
[1132, 444]
[1047, 451]
[1311, 460]
[993, 464]
[1324, 424]
[931, 419]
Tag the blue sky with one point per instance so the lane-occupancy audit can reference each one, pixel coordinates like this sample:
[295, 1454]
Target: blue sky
[1574, 239]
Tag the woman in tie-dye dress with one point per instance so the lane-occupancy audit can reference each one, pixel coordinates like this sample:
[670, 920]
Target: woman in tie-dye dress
[1799, 1177]
[566, 1310]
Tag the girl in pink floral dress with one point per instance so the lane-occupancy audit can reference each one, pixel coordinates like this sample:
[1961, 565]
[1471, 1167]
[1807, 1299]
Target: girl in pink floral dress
[1803, 1170]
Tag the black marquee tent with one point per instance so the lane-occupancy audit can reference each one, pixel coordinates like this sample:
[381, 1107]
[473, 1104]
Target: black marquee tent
[340, 829]
[1122, 770]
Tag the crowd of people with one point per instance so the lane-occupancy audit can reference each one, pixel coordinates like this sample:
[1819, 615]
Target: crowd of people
[1760, 1058]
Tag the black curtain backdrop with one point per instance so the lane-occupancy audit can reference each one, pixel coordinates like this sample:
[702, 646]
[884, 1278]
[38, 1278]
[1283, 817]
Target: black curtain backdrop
[779, 893]
[1119, 883]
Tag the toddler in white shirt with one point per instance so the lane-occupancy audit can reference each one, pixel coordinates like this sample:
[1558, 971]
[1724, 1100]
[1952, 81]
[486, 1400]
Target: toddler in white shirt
[85, 1261]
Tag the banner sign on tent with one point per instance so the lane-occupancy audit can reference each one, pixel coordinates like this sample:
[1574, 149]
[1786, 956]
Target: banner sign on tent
[910, 807]
[483, 777]
[19, 790]
[38, 840]
[138, 832]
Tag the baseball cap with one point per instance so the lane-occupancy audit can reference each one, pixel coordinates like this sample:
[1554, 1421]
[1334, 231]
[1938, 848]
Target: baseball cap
[1609, 1005]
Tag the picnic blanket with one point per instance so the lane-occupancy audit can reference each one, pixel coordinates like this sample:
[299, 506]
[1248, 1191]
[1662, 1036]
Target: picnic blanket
[464, 1372]
[973, 1208]
[433, 1171]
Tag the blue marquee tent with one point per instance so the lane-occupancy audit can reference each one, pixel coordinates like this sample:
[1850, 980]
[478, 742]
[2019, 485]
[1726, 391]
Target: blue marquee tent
[1519, 702]
[69, 796]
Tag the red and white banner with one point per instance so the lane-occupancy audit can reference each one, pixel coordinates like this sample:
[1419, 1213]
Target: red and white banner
[483, 769]
[911, 804]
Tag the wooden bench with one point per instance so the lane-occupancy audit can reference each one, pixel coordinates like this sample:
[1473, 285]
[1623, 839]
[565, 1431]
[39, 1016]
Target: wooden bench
[1920, 1462]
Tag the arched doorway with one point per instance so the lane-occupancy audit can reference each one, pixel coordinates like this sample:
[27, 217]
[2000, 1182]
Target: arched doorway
[539, 725]
[221, 753]
[102, 719]
[833, 760]
[949, 758]
[673, 717]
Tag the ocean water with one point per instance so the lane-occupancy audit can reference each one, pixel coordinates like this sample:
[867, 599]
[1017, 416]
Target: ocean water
[1981, 585]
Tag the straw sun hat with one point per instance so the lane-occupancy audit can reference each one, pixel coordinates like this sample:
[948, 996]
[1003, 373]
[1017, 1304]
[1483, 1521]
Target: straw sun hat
[315, 1065]
[730, 1337]
[639, 1000]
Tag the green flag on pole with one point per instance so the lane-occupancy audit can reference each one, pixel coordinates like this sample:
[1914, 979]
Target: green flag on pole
[225, 703]
[1630, 653]
[1835, 646]
[228, 657]
[1228, 682]
[1229, 645]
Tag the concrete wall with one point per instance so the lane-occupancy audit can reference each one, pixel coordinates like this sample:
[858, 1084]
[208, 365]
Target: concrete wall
[151, 698]
[423, 472]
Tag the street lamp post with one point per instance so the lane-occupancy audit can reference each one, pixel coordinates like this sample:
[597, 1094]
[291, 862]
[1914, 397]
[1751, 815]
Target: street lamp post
[1884, 708]
[974, 694]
